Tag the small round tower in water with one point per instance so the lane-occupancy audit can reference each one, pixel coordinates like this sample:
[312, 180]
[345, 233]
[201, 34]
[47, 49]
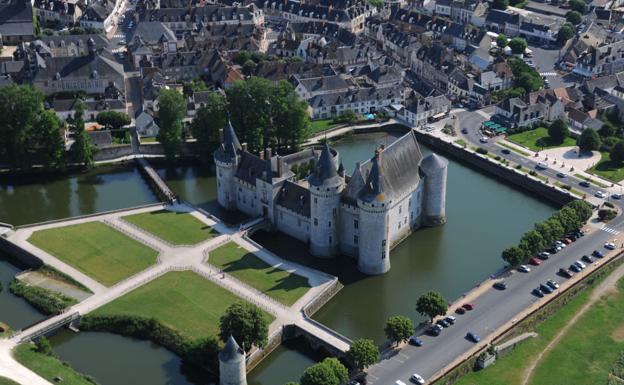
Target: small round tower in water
[435, 168]
[232, 369]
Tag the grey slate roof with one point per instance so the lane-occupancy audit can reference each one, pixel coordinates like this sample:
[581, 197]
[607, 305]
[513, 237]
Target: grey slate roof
[80, 67]
[230, 147]
[231, 352]
[432, 163]
[325, 172]
[295, 198]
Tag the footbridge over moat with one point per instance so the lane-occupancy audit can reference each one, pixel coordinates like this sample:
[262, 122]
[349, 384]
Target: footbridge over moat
[176, 258]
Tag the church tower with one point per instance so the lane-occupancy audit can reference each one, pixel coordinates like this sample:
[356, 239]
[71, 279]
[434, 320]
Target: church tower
[325, 188]
[227, 158]
[232, 370]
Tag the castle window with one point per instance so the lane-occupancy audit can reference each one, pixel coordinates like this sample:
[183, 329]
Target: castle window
[219, 183]
[399, 225]
[355, 224]
[315, 221]
[330, 224]
[383, 243]
[400, 208]
[240, 189]
[334, 211]
[355, 239]
[330, 240]
[383, 254]
[405, 220]
[315, 200]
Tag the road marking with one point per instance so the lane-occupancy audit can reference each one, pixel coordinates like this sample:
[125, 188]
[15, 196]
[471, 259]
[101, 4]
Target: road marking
[609, 230]
[548, 74]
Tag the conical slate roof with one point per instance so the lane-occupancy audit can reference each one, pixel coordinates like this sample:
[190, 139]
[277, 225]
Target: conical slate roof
[432, 163]
[230, 146]
[341, 170]
[375, 183]
[231, 351]
[325, 171]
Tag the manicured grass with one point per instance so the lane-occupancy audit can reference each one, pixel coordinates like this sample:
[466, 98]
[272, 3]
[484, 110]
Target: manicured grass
[6, 381]
[96, 250]
[321, 125]
[461, 142]
[592, 181]
[279, 284]
[608, 169]
[175, 228]
[509, 370]
[149, 140]
[589, 348]
[184, 301]
[512, 148]
[48, 367]
[538, 140]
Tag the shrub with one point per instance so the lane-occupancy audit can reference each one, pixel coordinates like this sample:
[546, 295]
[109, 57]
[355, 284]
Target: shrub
[46, 301]
[606, 214]
[482, 150]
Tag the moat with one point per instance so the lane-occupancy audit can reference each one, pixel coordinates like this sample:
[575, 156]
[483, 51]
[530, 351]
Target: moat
[451, 259]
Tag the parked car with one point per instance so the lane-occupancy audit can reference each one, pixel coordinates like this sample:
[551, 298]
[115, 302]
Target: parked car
[545, 289]
[450, 319]
[598, 254]
[415, 341]
[442, 323]
[561, 175]
[610, 246]
[542, 166]
[500, 285]
[552, 284]
[543, 255]
[468, 306]
[353, 382]
[534, 261]
[565, 272]
[505, 151]
[567, 241]
[600, 194]
[460, 310]
[580, 265]
[464, 130]
[584, 183]
[575, 268]
[473, 337]
[587, 258]
[417, 379]
[483, 139]
[399, 382]
[537, 292]
[616, 196]
[560, 244]
[433, 331]
[524, 269]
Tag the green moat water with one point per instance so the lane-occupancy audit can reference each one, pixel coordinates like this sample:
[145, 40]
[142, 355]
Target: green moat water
[484, 216]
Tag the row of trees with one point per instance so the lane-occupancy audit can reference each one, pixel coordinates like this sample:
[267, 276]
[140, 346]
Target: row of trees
[570, 217]
[263, 113]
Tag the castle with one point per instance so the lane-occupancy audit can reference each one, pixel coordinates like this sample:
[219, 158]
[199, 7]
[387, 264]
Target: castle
[363, 215]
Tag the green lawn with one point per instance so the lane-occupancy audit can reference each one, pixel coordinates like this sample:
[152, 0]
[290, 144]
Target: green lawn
[96, 250]
[538, 140]
[278, 284]
[317, 126]
[175, 228]
[461, 142]
[47, 367]
[608, 169]
[6, 381]
[184, 301]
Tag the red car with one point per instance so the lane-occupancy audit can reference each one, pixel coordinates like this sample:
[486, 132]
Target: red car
[565, 272]
[567, 241]
[468, 306]
[534, 261]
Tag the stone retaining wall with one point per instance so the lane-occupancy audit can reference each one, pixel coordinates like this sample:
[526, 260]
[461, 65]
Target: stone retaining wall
[319, 301]
[19, 254]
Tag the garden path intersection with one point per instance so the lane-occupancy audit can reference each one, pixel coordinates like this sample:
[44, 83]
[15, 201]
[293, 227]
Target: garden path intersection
[170, 258]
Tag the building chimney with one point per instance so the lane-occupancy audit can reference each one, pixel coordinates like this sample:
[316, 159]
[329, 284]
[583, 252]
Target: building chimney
[220, 135]
[280, 165]
[378, 152]
[261, 153]
[267, 153]
[244, 146]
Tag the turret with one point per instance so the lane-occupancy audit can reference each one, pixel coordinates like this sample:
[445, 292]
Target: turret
[325, 188]
[374, 245]
[232, 370]
[434, 167]
[227, 158]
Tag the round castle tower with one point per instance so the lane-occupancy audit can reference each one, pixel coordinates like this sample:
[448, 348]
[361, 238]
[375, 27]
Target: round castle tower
[226, 160]
[325, 188]
[232, 369]
[434, 208]
[374, 245]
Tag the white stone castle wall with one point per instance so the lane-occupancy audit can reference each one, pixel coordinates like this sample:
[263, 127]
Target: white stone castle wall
[435, 195]
[225, 185]
[324, 221]
[246, 199]
[232, 373]
[348, 215]
[293, 224]
[374, 254]
[404, 216]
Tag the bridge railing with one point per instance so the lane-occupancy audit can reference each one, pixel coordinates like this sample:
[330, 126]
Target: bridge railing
[37, 332]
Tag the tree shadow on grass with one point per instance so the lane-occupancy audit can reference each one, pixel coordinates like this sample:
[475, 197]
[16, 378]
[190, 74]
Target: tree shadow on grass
[548, 141]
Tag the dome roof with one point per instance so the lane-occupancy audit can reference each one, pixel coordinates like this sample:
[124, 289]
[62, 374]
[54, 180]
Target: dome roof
[432, 163]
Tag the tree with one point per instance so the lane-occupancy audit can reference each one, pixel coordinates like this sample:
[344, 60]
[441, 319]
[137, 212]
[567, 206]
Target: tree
[583, 210]
[319, 374]
[501, 40]
[566, 32]
[376, 3]
[617, 152]
[43, 346]
[207, 122]
[431, 304]
[579, 6]
[550, 230]
[589, 140]
[113, 120]
[363, 353]
[574, 17]
[518, 45]
[570, 218]
[532, 242]
[399, 328]
[81, 150]
[558, 130]
[203, 352]
[249, 67]
[171, 111]
[339, 370]
[606, 131]
[500, 4]
[514, 255]
[47, 136]
[242, 57]
[246, 323]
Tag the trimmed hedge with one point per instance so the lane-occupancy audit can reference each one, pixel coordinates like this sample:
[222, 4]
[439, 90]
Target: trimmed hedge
[46, 301]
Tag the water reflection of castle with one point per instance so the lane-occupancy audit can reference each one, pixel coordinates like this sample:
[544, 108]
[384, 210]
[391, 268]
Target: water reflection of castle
[364, 215]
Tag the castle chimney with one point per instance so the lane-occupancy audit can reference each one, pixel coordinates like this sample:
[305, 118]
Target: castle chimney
[244, 146]
[378, 152]
[261, 153]
[267, 153]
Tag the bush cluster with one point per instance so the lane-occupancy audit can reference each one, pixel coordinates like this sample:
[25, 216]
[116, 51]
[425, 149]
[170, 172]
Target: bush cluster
[46, 301]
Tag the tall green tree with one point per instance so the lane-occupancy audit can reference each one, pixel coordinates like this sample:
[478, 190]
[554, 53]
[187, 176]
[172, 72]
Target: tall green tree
[431, 304]
[43, 346]
[617, 152]
[339, 370]
[246, 323]
[81, 151]
[589, 140]
[579, 6]
[171, 111]
[566, 32]
[574, 17]
[514, 255]
[399, 328]
[532, 242]
[558, 130]
[583, 210]
[48, 136]
[207, 122]
[113, 120]
[500, 4]
[363, 353]
[501, 40]
[518, 45]
[319, 374]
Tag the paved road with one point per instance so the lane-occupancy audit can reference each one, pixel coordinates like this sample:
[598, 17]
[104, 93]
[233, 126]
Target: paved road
[493, 309]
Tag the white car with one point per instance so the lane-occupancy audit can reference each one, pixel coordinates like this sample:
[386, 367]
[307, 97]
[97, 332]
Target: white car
[483, 139]
[610, 245]
[580, 264]
[417, 378]
[542, 166]
[524, 269]
[399, 382]
[600, 194]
